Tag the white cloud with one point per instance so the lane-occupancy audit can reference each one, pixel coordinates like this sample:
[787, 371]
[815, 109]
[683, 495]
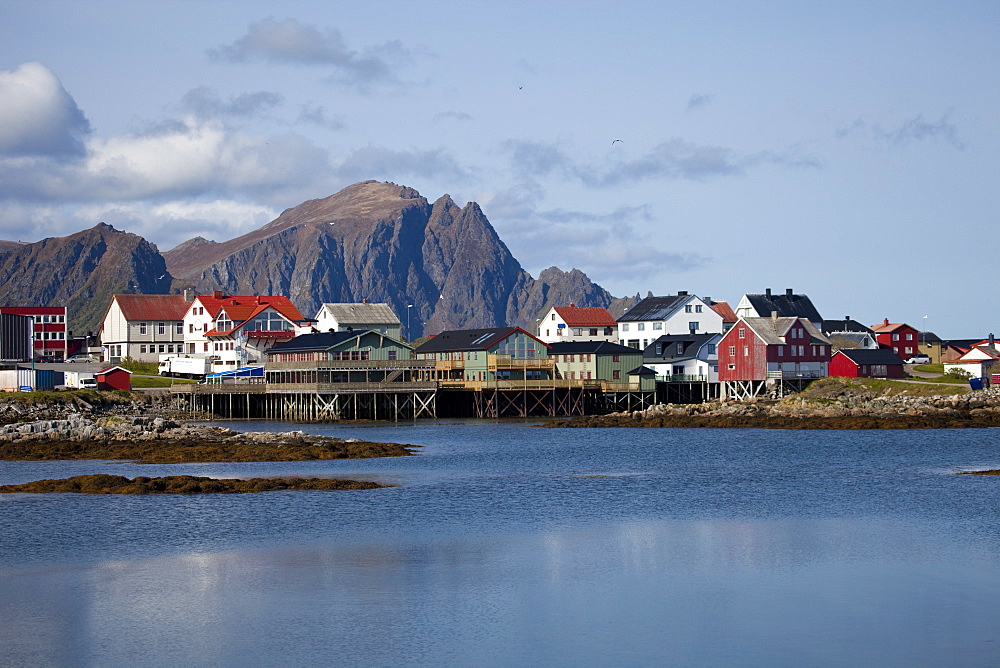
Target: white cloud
[206, 103]
[37, 116]
[915, 129]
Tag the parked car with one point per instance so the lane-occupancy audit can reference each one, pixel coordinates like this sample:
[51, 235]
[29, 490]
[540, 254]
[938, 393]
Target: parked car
[80, 358]
[919, 359]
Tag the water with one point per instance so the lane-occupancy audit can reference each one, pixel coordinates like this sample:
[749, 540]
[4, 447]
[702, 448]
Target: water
[504, 544]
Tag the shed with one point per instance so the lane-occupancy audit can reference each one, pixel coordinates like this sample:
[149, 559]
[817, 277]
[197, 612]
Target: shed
[861, 363]
[115, 378]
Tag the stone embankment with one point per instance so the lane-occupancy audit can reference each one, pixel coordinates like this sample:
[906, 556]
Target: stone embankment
[856, 411]
[161, 440]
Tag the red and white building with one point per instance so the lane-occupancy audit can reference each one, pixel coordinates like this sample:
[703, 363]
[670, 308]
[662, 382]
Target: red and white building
[759, 352]
[562, 324]
[898, 337]
[49, 330]
[234, 331]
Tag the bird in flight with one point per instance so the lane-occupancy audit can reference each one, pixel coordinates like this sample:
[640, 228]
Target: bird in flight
[616, 141]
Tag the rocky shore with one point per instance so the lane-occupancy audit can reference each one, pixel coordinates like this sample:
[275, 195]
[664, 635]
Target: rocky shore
[847, 411]
[182, 484]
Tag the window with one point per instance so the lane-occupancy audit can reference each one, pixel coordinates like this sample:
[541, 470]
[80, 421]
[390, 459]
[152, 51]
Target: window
[694, 326]
[688, 308]
[711, 349]
[680, 348]
[577, 331]
[190, 329]
[658, 325]
[746, 351]
[161, 328]
[909, 337]
[697, 308]
[743, 332]
[641, 327]
[731, 367]
[732, 351]
[781, 351]
[895, 337]
[624, 326]
[802, 351]
[142, 328]
[179, 327]
[616, 375]
[616, 358]
[593, 331]
[142, 349]
[161, 348]
[553, 316]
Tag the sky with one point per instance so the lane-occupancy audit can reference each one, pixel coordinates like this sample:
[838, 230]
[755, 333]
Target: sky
[846, 150]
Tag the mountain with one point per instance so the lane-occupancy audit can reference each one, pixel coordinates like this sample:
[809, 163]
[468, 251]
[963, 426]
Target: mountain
[81, 271]
[383, 242]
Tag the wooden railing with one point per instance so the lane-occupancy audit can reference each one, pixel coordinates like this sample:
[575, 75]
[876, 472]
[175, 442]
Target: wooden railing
[342, 365]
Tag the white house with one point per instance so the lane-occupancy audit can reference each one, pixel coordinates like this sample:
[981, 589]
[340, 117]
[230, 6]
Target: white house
[358, 317]
[788, 305]
[143, 327]
[684, 357]
[235, 331]
[978, 362]
[561, 324]
[653, 317]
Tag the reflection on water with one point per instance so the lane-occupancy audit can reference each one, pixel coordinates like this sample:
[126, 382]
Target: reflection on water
[509, 545]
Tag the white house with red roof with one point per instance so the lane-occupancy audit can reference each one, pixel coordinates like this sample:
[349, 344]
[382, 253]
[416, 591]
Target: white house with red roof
[143, 327]
[561, 324]
[235, 331]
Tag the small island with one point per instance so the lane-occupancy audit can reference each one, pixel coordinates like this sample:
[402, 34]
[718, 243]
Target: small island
[182, 484]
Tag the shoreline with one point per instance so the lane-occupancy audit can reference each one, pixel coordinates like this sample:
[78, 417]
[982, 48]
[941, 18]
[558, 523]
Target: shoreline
[183, 484]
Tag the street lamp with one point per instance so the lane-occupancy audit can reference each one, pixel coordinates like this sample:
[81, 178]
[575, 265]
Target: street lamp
[408, 307]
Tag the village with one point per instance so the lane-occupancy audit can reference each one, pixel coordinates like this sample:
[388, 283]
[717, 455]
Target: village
[259, 356]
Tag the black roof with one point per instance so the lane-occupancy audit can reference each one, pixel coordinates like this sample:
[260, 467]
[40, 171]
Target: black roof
[641, 371]
[653, 308]
[788, 305]
[843, 326]
[465, 339]
[596, 347]
[875, 356]
[311, 342]
[690, 343]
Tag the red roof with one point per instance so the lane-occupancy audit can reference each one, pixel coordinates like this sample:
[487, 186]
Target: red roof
[152, 307]
[585, 316]
[887, 326]
[240, 308]
[725, 310]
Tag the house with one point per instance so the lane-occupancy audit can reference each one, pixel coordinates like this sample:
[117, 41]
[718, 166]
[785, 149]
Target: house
[684, 357]
[577, 323]
[775, 348]
[143, 327]
[930, 344]
[867, 363]
[49, 328]
[978, 360]
[114, 378]
[358, 317]
[236, 331]
[849, 334]
[898, 337]
[342, 357]
[602, 361]
[500, 354]
[788, 305]
[653, 317]
[642, 377]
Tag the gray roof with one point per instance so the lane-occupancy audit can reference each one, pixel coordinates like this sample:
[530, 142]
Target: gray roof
[362, 314]
[457, 340]
[770, 330]
[854, 337]
[691, 344]
[314, 342]
[594, 347]
[654, 308]
[842, 326]
[787, 305]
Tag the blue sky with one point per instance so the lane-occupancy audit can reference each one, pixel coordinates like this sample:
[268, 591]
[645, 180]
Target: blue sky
[846, 150]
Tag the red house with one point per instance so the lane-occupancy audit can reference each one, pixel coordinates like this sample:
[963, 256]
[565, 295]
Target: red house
[115, 378]
[898, 337]
[861, 363]
[758, 349]
[49, 329]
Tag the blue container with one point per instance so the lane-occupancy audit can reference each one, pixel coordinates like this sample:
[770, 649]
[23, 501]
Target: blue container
[976, 383]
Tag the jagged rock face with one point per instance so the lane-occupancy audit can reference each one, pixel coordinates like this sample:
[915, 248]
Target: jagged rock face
[385, 243]
[82, 272]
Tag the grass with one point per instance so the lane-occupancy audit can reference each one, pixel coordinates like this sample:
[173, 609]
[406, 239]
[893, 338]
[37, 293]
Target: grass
[929, 368]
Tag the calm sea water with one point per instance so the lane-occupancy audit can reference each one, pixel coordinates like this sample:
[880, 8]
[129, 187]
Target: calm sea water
[505, 544]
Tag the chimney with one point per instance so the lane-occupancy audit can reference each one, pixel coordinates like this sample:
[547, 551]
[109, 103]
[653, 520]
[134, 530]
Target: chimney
[682, 293]
[992, 340]
[189, 295]
[788, 292]
[846, 318]
[767, 293]
[885, 322]
[572, 305]
[217, 294]
[774, 315]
